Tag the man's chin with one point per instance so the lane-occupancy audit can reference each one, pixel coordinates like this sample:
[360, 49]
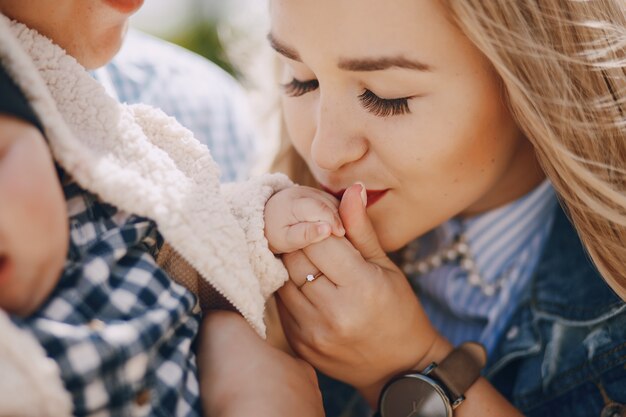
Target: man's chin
[109, 46]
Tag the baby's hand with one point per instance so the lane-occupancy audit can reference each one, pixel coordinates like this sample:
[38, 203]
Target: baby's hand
[299, 216]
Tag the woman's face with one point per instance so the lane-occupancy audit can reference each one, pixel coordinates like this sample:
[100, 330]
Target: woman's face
[399, 99]
[90, 30]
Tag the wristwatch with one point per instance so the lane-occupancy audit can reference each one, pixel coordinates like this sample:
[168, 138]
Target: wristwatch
[436, 391]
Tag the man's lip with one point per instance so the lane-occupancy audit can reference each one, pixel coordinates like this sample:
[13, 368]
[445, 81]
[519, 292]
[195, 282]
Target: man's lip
[372, 195]
[6, 269]
[125, 6]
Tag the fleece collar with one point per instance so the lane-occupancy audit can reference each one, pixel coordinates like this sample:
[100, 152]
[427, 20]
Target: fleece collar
[136, 158]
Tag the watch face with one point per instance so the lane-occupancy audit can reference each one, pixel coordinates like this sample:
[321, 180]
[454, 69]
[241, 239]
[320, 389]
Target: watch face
[414, 396]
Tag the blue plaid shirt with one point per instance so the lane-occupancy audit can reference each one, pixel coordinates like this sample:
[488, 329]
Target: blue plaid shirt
[121, 331]
[119, 328]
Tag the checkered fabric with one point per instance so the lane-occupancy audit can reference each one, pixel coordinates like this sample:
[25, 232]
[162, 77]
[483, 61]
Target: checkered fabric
[120, 329]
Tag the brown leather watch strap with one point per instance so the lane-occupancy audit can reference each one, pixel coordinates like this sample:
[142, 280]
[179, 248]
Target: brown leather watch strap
[460, 369]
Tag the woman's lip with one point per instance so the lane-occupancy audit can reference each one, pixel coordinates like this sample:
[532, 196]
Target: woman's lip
[372, 195]
[125, 6]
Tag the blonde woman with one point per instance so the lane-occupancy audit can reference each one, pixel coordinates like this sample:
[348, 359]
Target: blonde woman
[478, 130]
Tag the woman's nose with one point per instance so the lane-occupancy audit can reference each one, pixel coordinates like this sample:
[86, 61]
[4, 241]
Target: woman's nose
[338, 140]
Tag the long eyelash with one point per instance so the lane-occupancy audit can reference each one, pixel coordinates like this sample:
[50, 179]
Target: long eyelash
[296, 88]
[384, 107]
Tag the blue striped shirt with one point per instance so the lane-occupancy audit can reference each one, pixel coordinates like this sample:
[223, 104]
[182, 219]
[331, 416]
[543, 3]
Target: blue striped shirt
[199, 94]
[506, 244]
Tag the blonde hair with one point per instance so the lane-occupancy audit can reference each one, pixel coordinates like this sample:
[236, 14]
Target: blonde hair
[563, 65]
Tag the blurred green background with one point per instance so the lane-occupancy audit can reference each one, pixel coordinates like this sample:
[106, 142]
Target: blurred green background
[215, 29]
[202, 37]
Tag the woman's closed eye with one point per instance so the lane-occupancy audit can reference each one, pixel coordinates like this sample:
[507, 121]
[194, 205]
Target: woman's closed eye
[297, 88]
[383, 107]
[380, 107]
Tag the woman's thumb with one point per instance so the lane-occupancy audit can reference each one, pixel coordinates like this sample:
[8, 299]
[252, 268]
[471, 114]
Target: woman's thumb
[359, 229]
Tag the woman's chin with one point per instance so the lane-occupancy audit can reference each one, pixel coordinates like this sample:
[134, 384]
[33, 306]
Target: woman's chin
[390, 242]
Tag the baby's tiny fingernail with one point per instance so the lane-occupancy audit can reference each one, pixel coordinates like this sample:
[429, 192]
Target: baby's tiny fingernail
[323, 229]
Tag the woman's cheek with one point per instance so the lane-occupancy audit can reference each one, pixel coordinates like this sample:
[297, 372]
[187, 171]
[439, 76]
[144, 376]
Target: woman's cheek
[300, 123]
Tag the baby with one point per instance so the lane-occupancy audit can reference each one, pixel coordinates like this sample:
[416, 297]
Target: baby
[104, 307]
[33, 218]
[34, 224]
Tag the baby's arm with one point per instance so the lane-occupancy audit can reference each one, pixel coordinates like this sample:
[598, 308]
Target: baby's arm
[299, 216]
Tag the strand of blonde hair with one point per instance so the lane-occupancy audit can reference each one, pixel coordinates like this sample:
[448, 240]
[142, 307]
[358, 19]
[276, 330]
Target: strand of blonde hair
[563, 65]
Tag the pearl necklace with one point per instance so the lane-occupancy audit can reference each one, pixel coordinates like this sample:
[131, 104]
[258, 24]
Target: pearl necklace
[459, 251]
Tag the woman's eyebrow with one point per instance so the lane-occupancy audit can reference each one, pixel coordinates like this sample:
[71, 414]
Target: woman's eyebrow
[379, 64]
[283, 49]
[361, 64]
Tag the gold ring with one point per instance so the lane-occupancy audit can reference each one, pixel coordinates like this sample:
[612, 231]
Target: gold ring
[312, 277]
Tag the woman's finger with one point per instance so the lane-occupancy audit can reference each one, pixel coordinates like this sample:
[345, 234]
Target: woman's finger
[294, 332]
[309, 279]
[338, 260]
[318, 289]
[298, 305]
[299, 267]
[358, 225]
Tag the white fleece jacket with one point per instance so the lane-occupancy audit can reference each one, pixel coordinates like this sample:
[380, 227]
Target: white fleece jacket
[141, 161]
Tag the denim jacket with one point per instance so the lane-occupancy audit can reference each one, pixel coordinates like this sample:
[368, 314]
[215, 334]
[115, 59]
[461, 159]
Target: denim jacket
[564, 351]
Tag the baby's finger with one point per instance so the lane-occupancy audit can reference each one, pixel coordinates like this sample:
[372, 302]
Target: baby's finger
[328, 198]
[311, 210]
[301, 235]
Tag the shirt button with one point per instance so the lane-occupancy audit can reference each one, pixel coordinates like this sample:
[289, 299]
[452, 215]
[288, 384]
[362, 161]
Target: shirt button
[96, 325]
[614, 410]
[512, 333]
[143, 397]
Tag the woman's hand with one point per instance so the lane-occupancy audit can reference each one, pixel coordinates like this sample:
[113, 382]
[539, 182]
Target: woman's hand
[242, 375]
[360, 321]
